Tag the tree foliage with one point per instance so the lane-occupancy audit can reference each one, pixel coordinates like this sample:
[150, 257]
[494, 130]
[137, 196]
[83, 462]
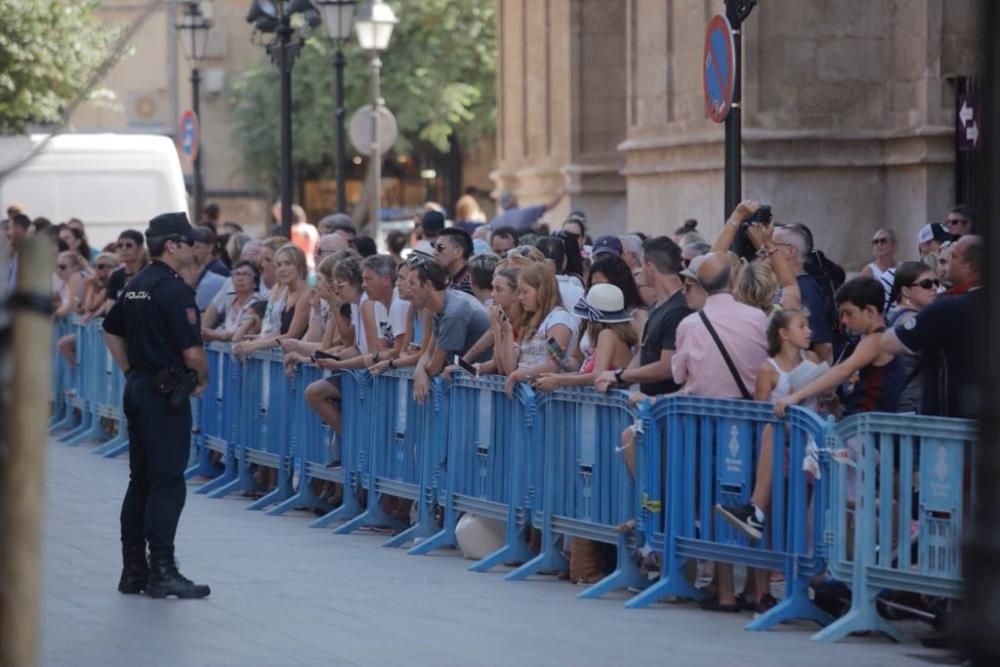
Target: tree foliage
[48, 50]
[438, 78]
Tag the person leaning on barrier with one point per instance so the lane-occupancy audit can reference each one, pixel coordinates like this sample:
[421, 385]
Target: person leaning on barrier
[153, 334]
[418, 321]
[651, 367]
[457, 321]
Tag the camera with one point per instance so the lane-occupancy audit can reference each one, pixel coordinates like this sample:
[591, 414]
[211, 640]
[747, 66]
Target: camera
[762, 216]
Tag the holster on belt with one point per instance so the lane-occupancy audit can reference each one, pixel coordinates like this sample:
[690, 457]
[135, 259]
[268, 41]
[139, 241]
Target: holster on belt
[177, 384]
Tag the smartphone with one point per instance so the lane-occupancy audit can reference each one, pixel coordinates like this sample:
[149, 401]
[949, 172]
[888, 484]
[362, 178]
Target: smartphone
[466, 366]
[320, 354]
[555, 349]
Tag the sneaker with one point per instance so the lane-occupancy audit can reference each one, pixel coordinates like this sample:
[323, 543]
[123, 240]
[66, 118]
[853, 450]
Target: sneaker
[743, 517]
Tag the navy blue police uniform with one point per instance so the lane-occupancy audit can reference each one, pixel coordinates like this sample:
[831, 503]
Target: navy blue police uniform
[157, 317]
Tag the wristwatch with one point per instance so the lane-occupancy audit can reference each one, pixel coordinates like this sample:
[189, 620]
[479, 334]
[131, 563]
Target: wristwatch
[618, 375]
[392, 363]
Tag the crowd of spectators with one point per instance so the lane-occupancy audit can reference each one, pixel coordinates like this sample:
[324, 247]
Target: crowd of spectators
[653, 314]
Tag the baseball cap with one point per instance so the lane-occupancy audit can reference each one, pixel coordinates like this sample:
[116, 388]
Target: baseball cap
[607, 244]
[203, 235]
[692, 269]
[934, 231]
[170, 224]
[433, 222]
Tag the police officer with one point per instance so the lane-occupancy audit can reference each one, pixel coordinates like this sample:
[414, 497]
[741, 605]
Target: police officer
[153, 331]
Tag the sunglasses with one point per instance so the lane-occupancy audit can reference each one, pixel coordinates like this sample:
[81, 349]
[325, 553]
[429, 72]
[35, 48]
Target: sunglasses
[958, 221]
[181, 239]
[880, 241]
[62, 267]
[441, 247]
[523, 251]
[104, 267]
[927, 283]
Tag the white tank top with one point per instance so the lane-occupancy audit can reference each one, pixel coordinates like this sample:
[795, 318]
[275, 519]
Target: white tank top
[783, 387]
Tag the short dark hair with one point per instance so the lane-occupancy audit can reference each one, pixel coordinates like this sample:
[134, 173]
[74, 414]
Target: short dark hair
[132, 235]
[396, 241]
[554, 249]
[458, 237]
[212, 212]
[965, 211]
[481, 270]
[504, 233]
[22, 221]
[663, 254]
[617, 272]
[365, 245]
[41, 224]
[427, 269]
[578, 218]
[862, 292]
[906, 274]
[253, 270]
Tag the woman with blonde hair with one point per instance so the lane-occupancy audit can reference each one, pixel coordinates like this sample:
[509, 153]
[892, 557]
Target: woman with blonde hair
[287, 311]
[468, 215]
[542, 317]
[72, 269]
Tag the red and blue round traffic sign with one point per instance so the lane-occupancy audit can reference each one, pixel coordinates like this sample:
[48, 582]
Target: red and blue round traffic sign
[720, 68]
[189, 136]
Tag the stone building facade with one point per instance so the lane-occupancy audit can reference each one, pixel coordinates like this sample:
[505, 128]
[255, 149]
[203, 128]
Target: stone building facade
[848, 113]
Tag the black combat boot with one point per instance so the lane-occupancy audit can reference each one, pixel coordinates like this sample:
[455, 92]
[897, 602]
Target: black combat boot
[135, 571]
[166, 581]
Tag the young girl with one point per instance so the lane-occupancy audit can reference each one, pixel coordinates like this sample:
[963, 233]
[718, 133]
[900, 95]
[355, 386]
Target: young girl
[542, 317]
[609, 324]
[788, 342]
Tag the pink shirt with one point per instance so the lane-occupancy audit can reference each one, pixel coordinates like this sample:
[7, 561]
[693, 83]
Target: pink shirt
[699, 365]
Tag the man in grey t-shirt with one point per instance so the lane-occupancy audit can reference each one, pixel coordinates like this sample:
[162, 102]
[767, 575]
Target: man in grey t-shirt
[459, 320]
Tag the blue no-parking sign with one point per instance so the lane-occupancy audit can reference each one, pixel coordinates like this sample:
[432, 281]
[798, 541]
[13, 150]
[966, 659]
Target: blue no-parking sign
[719, 76]
[189, 136]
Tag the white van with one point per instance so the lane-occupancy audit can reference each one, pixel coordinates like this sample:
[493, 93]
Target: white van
[112, 182]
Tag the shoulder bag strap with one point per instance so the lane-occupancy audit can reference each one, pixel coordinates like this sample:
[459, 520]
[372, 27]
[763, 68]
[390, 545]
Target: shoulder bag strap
[725, 356]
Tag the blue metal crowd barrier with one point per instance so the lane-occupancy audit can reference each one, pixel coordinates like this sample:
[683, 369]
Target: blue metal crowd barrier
[488, 436]
[586, 491]
[309, 440]
[711, 446]
[887, 516]
[93, 387]
[907, 481]
[407, 453]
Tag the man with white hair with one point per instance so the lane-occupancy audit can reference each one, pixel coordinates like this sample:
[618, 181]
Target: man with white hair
[794, 246]
[632, 251]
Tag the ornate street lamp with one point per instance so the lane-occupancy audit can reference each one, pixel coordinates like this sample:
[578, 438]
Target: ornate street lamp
[373, 25]
[193, 27]
[338, 17]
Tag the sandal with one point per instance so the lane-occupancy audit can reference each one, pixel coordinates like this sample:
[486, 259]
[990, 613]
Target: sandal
[713, 604]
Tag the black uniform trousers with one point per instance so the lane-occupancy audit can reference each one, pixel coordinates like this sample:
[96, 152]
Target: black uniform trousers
[159, 446]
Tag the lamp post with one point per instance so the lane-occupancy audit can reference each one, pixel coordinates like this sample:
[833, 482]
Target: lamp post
[338, 15]
[373, 27]
[268, 16]
[193, 28]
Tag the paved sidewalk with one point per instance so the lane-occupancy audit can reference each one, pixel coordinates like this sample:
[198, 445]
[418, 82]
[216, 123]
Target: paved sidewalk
[284, 594]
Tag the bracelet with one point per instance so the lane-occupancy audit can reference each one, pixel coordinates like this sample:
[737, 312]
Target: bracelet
[392, 363]
[618, 375]
[375, 357]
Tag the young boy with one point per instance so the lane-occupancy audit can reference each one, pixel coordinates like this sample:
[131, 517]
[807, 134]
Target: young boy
[874, 377]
